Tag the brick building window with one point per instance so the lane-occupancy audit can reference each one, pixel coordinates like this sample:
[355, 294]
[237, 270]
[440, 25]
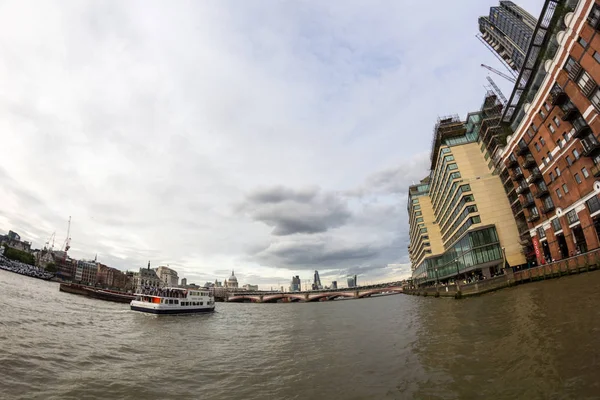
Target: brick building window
[549, 155]
[534, 128]
[556, 121]
[542, 114]
[597, 56]
[584, 79]
[594, 17]
[582, 42]
[559, 143]
[558, 193]
[548, 203]
[570, 64]
[556, 225]
[551, 128]
[585, 172]
[537, 146]
[568, 158]
[551, 177]
[565, 188]
[576, 154]
[565, 137]
[577, 177]
[572, 217]
[593, 204]
[542, 141]
[595, 99]
[547, 106]
[557, 172]
[541, 232]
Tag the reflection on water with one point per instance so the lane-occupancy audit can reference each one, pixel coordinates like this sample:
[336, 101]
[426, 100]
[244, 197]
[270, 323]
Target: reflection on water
[534, 341]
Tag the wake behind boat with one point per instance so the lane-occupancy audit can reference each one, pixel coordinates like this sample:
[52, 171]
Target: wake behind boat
[174, 301]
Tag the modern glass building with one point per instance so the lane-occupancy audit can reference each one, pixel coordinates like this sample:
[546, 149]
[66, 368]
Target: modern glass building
[460, 219]
[508, 30]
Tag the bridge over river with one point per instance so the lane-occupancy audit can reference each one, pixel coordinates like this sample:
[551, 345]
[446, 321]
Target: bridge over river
[312, 295]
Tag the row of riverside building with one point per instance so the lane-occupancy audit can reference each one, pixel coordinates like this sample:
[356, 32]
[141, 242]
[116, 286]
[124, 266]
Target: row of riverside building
[516, 183]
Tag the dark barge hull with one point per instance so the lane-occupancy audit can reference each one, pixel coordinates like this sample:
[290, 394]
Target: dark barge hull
[95, 293]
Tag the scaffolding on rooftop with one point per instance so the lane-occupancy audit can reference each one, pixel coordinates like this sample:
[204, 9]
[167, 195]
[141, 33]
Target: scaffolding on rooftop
[445, 127]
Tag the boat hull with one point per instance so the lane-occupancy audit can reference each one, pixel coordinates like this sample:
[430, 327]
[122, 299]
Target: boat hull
[172, 311]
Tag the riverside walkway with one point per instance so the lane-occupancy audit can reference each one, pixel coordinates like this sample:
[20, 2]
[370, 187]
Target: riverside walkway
[573, 265]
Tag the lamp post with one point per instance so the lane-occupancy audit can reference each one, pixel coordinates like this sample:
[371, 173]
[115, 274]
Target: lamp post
[457, 270]
[437, 280]
[503, 259]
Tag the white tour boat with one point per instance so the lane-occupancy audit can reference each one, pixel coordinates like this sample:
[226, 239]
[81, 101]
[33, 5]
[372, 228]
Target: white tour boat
[174, 301]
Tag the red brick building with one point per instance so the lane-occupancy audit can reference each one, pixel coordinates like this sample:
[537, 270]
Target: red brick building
[554, 155]
[111, 277]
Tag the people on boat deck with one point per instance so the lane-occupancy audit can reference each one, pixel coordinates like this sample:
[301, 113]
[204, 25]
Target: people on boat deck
[162, 292]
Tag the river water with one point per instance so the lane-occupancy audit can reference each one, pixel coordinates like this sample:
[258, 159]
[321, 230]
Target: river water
[536, 341]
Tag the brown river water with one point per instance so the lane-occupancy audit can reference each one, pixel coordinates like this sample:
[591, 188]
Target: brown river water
[535, 341]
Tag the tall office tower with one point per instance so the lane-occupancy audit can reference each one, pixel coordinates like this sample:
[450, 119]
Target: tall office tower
[508, 30]
[352, 281]
[317, 282]
[295, 286]
[460, 219]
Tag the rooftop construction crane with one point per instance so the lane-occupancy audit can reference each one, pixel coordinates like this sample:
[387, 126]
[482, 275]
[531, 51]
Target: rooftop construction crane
[507, 77]
[67, 244]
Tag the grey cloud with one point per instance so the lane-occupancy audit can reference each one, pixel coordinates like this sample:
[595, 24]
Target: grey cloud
[290, 211]
[306, 254]
[278, 194]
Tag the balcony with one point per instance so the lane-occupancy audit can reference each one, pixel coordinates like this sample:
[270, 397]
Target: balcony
[528, 202]
[541, 192]
[559, 98]
[595, 171]
[533, 218]
[570, 111]
[547, 209]
[534, 177]
[529, 161]
[511, 161]
[523, 150]
[581, 128]
[522, 189]
[517, 174]
[590, 145]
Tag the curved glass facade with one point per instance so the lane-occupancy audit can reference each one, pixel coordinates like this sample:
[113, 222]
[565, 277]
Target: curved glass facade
[476, 249]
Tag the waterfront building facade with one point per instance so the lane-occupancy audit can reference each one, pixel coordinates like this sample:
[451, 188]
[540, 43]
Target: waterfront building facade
[111, 277]
[145, 278]
[334, 285]
[168, 276]
[86, 272]
[460, 220]
[250, 288]
[183, 282]
[554, 154]
[508, 30]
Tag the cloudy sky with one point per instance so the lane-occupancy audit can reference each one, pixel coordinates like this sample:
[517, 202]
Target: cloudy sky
[271, 137]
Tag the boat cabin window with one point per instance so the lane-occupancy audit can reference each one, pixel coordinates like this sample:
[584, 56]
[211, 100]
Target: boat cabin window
[176, 301]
